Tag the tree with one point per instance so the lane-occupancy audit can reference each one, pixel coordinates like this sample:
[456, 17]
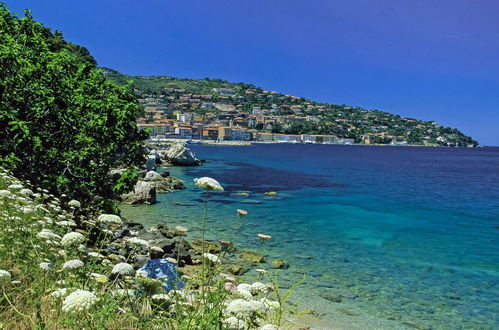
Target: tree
[63, 125]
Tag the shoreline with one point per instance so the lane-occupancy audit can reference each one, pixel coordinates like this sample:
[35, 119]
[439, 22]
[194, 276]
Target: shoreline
[166, 142]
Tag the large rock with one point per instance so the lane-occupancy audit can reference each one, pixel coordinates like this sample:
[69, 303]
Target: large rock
[180, 154]
[151, 163]
[143, 193]
[163, 183]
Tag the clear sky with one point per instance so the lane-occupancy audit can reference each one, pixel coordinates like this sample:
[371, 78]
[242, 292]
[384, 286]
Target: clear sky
[426, 59]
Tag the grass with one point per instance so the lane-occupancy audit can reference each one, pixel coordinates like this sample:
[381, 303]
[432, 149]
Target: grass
[31, 227]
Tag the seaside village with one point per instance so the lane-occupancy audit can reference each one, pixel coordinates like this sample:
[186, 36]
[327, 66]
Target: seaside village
[176, 115]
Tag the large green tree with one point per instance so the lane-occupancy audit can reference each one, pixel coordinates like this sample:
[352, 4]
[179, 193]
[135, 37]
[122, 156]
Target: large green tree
[63, 125]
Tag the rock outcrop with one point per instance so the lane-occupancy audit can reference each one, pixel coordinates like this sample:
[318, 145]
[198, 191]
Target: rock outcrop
[143, 193]
[152, 183]
[180, 154]
[163, 182]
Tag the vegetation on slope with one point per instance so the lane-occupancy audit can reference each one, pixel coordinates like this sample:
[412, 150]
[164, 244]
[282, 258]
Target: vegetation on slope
[341, 120]
[63, 124]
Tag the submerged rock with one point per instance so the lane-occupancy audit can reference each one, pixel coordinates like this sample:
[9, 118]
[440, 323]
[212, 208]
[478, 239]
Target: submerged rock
[279, 264]
[251, 257]
[208, 247]
[180, 154]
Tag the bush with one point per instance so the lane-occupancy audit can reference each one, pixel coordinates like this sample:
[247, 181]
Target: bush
[63, 125]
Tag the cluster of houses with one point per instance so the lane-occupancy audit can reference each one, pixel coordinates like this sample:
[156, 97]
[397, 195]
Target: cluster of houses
[220, 116]
[177, 115]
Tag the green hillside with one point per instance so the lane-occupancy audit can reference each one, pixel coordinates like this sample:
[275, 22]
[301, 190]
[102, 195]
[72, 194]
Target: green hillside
[341, 120]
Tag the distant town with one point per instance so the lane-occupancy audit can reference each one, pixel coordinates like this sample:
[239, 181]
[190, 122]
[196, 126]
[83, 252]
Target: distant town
[217, 110]
[228, 124]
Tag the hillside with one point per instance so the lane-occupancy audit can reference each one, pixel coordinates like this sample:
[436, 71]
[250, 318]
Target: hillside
[252, 107]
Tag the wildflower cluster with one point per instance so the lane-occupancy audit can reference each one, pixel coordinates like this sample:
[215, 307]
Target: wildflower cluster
[79, 276]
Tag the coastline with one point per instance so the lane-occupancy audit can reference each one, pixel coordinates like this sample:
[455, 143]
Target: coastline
[167, 141]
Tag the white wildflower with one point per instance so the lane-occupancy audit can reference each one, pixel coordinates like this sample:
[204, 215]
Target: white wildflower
[4, 276]
[269, 327]
[240, 308]
[59, 293]
[160, 297]
[270, 304]
[46, 265]
[244, 286]
[26, 192]
[258, 287]
[48, 234]
[15, 187]
[74, 204]
[208, 183]
[109, 219]
[96, 255]
[123, 269]
[73, 264]
[244, 294]
[122, 293]
[233, 323]
[27, 209]
[211, 257]
[79, 301]
[72, 238]
[257, 306]
[5, 193]
[69, 223]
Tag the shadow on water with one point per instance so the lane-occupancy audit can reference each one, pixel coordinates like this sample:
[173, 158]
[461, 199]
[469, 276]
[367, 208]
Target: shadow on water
[239, 176]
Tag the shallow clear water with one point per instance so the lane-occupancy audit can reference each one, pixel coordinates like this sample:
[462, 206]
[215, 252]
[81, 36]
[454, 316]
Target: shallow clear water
[412, 232]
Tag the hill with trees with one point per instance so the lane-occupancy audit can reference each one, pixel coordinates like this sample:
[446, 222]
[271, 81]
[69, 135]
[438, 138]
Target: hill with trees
[322, 118]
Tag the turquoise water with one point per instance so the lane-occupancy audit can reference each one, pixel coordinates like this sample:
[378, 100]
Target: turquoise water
[404, 236]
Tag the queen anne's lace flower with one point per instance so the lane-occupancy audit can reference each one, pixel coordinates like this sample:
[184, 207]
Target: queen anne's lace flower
[244, 286]
[73, 264]
[268, 327]
[59, 293]
[46, 265]
[5, 193]
[72, 238]
[15, 187]
[123, 269]
[233, 323]
[79, 301]
[270, 304]
[122, 293]
[208, 183]
[109, 219]
[26, 192]
[74, 204]
[48, 234]
[66, 223]
[4, 276]
[160, 297]
[240, 308]
[258, 287]
[245, 294]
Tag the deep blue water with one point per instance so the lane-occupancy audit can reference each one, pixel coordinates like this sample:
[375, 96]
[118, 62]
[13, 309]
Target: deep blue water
[412, 232]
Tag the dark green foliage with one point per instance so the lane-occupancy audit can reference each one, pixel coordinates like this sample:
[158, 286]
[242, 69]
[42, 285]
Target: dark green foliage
[63, 125]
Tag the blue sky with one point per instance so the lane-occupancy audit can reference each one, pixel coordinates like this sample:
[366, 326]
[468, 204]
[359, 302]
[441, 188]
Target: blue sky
[431, 60]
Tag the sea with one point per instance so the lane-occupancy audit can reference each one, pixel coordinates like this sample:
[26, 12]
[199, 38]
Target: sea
[376, 237]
